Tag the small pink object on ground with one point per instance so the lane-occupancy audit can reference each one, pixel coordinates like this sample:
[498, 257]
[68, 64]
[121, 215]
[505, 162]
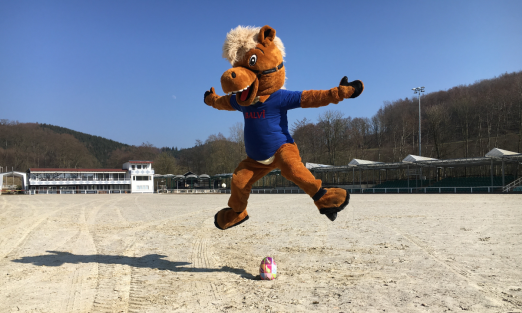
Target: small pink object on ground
[268, 269]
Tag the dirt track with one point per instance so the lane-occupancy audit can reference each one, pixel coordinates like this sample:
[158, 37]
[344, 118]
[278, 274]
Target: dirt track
[162, 253]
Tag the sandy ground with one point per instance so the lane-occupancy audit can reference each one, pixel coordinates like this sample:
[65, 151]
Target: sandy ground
[162, 253]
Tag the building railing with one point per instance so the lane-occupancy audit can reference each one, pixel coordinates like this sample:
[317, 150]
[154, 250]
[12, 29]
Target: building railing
[79, 182]
[78, 179]
[142, 172]
[512, 185]
[69, 192]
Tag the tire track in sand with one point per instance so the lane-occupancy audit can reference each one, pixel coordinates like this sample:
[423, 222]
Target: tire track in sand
[14, 239]
[132, 286]
[113, 279]
[152, 288]
[203, 259]
[85, 245]
[455, 269]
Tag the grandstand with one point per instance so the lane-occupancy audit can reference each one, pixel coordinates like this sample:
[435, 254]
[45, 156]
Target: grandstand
[414, 174]
[428, 175]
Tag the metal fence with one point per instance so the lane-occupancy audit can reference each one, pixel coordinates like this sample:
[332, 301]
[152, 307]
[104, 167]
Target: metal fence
[485, 189]
[426, 190]
[430, 190]
[415, 190]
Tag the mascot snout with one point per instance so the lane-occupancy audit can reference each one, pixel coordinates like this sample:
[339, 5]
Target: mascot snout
[242, 82]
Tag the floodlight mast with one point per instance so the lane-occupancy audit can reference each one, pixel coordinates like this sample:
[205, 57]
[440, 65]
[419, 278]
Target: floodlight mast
[415, 91]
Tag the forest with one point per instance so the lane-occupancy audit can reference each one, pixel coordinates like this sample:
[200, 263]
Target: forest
[464, 121]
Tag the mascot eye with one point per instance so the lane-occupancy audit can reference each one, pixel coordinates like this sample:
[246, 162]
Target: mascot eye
[253, 60]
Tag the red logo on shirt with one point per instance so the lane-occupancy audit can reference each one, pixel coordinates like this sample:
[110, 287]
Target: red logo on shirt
[255, 114]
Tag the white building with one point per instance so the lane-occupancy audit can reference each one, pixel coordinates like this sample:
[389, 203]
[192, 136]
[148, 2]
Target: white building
[134, 177]
[141, 175]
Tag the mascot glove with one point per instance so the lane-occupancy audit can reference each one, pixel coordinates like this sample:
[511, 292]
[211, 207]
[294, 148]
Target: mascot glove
[357, 85]
[210, 96]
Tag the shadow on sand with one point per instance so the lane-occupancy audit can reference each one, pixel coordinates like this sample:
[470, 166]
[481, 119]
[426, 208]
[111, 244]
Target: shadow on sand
[153, 261]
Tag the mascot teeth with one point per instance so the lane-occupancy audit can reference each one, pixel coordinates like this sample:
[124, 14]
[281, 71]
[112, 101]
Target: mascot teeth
[240, 90]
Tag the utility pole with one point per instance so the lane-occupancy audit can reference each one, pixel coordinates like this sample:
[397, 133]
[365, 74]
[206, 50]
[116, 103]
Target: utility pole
[415, 91]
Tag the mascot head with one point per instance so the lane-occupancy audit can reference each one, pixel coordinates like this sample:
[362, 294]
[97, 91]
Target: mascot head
[256, 55]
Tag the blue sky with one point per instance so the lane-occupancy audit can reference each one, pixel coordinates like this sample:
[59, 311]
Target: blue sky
[136, 71]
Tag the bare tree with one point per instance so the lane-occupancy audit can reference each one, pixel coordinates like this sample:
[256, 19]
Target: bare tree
[333, 126]
[436, 116]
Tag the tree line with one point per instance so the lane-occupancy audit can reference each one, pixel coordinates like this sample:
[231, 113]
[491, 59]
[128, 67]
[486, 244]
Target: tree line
[464, 121]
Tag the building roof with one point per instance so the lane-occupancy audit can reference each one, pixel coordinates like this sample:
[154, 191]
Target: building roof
[356, 162]
[77, 170]
[140, 162]
[500, 153]
[310, 165]
[493, 157]
[417, 158]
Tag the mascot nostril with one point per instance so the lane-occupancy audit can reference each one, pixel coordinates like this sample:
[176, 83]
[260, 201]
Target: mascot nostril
[256, 91]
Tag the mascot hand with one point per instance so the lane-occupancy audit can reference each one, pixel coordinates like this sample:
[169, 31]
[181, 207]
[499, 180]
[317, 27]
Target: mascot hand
[209, 93]
[356, 84]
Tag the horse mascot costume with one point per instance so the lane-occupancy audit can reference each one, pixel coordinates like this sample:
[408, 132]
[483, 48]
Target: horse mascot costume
[253, 86]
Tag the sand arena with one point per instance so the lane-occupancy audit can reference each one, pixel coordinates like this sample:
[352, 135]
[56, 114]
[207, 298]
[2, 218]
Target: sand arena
[162, 253]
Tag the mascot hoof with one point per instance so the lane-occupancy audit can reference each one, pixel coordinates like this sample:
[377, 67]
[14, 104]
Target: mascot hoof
[330, 201]
[331, 216]
[227, 218]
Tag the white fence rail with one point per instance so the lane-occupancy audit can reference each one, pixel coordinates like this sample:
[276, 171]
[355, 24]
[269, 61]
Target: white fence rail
[426, 190]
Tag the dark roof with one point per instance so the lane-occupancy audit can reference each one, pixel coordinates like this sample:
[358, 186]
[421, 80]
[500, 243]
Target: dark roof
[141, 162]
[79, 170]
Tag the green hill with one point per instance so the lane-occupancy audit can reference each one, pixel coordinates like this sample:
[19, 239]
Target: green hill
[98, 146]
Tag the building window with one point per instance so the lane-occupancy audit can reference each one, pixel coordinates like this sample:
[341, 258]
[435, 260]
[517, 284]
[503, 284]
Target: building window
[142, 177]
[142, 187]
[133, 167]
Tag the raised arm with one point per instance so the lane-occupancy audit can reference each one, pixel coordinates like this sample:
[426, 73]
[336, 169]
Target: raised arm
[320, 98]
[217, 102]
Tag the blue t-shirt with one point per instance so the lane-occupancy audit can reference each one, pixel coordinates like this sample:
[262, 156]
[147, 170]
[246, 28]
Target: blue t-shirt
[266, 123]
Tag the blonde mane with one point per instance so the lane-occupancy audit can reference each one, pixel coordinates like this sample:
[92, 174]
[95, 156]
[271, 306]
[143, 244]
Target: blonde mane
[242, 39]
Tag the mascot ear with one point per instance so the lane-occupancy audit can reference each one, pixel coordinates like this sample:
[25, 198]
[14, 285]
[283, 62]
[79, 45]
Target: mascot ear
[266, 35]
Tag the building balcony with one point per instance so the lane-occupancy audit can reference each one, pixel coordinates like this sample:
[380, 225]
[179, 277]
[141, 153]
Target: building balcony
[141, 172]
[77, 181]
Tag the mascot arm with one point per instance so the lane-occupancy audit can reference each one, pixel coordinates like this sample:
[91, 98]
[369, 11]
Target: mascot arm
[320, 98]
[217, 102]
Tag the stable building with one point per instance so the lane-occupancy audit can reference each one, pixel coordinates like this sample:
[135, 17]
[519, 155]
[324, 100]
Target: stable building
[134, 177]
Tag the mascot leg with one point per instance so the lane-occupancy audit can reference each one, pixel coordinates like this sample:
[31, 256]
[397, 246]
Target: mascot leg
[246, 174]
[329, 201]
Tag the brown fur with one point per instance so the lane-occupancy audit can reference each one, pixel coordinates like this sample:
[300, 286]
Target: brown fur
[217, 102]
[242, 74]
[333, 198]
[241, 44]
[319, 98]
[249, 171]
[227, 218]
